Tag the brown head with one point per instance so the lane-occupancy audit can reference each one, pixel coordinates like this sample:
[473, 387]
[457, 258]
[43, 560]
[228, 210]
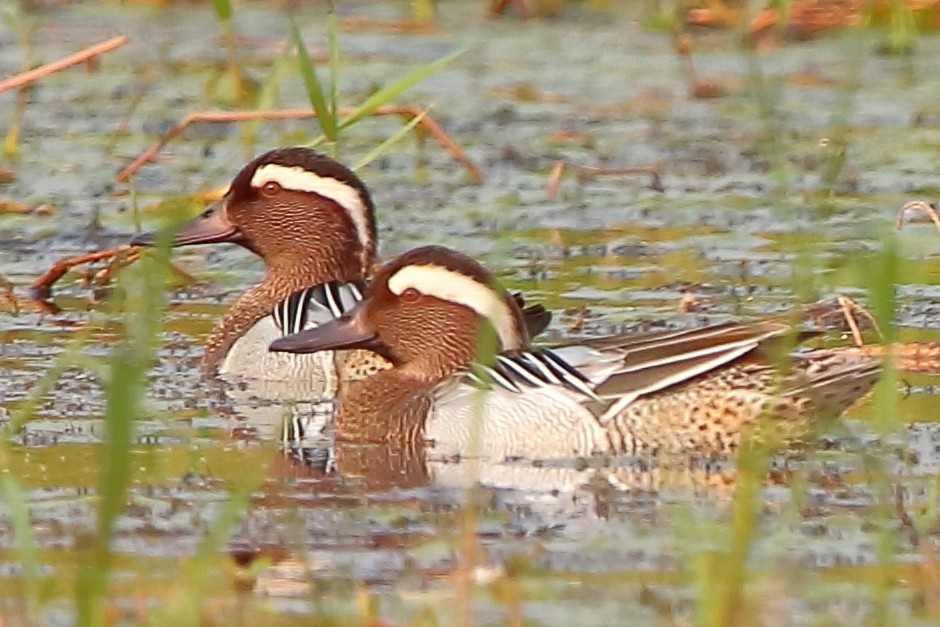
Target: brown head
[308, 217]
[302, 212]
[428, 312]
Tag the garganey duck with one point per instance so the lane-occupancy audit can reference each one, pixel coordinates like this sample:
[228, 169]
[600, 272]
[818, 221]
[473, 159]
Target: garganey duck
[312, 222]
[464, 376]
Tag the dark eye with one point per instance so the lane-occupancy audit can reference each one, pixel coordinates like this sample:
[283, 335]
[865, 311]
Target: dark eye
[410, 295]
[271, 188]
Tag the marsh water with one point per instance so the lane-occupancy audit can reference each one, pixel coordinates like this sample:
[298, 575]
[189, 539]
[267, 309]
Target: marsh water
[783, 190]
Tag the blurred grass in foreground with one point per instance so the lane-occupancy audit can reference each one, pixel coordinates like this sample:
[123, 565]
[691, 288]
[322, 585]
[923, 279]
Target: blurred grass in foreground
[719, 574]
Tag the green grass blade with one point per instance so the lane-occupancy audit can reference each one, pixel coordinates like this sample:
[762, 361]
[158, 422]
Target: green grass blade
[422, 10]
[389, 92]
[189, 592]
[332, 28]
[388, 143]
[223, 10]
[267, 96]
[141, 299]
[25, 542]
[325, 115]
[316, 141]
[123, 393]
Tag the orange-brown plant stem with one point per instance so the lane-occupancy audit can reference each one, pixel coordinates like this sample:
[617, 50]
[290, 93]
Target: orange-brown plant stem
[44, 70]
[803, 18]
[12, 206]
[41, 288]
[498, 7]
[915, 206]
[6, 291]
[554, 179]
[589, 171]
[851, 309]
[426, 123]
[908, 356]
[389, 26]
[40, 291]
[103, 276]
[697, 88]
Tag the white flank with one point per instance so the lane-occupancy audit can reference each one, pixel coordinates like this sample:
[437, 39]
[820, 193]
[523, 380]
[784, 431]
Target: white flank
[300, 180]
[458, 288]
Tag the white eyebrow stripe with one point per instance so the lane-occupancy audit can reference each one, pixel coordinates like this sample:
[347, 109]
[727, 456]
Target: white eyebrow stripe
[299, 179]
[458, 288]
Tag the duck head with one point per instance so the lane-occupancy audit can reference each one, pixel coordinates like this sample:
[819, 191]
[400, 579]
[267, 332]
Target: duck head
[296, 209]
[430, 312]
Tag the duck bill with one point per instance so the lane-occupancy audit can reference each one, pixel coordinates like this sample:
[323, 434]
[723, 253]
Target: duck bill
[344, 332]
[210, 227]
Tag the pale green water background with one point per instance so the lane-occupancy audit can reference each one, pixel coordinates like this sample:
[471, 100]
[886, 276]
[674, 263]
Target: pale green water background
[738, 214]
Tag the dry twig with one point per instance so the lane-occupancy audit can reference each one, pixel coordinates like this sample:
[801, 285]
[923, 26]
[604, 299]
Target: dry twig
[918, 206]
[119, 257]
[697, 88]
[586, 172]
[13, 206]
[103, 277]
[554, 179]
[41, 289]
[690, 303]
[7, 295]
[498, 7]
[851, 309]
[429, 125]
[908, 356]
[804, 18]
[44, 70]
[389, 26]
